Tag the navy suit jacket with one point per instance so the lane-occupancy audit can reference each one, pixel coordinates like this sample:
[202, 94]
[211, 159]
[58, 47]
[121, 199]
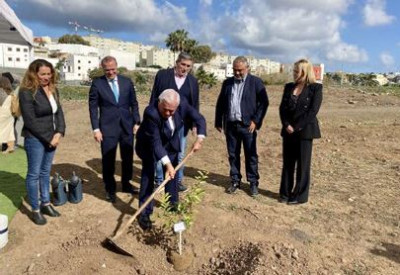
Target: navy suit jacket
[304, 118]
[253, 106]
[165, 79]
[154, 142]
[108, 115]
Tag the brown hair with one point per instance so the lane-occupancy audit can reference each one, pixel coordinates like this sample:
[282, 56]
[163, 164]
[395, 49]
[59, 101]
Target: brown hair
[107, 59]
[306, 72]
[31, 81]
[6, 85]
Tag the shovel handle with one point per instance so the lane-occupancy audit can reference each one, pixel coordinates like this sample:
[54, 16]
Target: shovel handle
[149, 199]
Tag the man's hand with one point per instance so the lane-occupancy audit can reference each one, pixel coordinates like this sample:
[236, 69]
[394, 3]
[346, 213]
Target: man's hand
[252, 127]
[194, 131]
[219, 129]
[170, 171]
[98, 136]
[197, 145]
[55, 140]
[135, 129]
[289, 129]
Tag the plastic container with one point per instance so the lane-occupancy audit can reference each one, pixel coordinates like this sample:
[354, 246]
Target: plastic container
[59, 190]
[3, 230]
[75, 189]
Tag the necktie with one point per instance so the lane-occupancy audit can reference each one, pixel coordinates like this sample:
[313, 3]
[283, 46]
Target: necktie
[167, 128]
[115, 89]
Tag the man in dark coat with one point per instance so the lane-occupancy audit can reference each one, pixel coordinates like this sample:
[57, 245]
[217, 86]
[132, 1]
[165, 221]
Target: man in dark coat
[240, 110]
[179, 79]
[158, 140]
[114, 114]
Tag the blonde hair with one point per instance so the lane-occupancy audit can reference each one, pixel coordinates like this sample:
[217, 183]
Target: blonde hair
[31, 81]
[306, 72]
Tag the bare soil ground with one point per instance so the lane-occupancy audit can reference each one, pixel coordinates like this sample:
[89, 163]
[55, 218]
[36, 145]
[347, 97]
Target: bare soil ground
[351, 224]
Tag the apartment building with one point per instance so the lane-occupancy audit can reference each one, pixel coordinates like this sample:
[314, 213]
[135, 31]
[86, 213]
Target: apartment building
[138, 49]
[14, 55]
[160, 57]
[77, 67]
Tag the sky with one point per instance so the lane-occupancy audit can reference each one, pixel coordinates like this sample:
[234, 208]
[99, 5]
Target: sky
[350, 35]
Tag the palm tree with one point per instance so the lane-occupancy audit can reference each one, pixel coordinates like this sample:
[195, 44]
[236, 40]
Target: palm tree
[206, 79]
[176, 40]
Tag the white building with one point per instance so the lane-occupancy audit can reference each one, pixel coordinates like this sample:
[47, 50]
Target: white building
[14, 56]
[77, 67]
[160, 57]
[73, 49]
[16, 40]
[220, 60]
[138, 49]
[219, 73]
[124, 59]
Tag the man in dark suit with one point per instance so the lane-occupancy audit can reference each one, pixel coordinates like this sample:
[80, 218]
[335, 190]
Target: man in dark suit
[179, 79]
[158, 140]
[241, 107]
[114, 114]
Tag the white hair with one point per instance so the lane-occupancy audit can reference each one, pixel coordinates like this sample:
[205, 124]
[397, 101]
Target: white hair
[169, 96]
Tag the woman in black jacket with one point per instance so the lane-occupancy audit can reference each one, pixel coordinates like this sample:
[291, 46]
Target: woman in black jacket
[300, 104]
[44, 126]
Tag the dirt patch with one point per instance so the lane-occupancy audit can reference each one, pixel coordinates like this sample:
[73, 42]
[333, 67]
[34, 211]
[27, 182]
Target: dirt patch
[351, 224]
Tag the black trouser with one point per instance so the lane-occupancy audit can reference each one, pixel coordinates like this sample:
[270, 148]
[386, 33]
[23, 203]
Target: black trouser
[236, 134]
[109, 150]
[147, 183]
[296, 151]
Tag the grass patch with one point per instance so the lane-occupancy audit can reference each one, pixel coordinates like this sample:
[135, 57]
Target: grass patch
[389, 90]
[73, 92]
[12, 182]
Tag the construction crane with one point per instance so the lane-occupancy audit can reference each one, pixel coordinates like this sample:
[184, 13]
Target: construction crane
[75, 24]
[92, 30]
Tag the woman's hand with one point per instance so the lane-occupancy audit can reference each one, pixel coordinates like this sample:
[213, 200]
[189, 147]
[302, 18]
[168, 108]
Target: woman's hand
[289, 129]
[55, 140]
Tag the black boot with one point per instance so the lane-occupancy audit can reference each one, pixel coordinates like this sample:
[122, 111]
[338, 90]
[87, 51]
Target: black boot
[38, 218]
[49, 210]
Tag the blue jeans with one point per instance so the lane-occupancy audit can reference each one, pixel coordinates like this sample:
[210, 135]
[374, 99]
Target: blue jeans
[159, 169]
[37, 180]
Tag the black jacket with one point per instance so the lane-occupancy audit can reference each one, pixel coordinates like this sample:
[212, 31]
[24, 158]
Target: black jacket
[253, 106]
[154, 142]
[38, 116]
[304, 118]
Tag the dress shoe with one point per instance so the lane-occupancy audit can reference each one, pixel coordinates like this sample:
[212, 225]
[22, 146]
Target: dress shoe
[111, 197]
[294, 201]
[234, 186]
[181, 187]
[253, 190]
[130, 189]
[283, 199]
[145, 222]
[38, 218]
[49, 211]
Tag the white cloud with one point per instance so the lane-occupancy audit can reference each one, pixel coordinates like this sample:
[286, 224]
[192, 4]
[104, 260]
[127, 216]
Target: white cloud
[387, 59]
[206, 2]
[375, 14]
[118, 15]
[346, 53]
[284, 30]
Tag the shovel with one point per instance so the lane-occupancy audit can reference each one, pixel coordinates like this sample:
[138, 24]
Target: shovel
[113, 240]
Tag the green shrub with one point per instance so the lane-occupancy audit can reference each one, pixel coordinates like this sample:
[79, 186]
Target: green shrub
[73, 92]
